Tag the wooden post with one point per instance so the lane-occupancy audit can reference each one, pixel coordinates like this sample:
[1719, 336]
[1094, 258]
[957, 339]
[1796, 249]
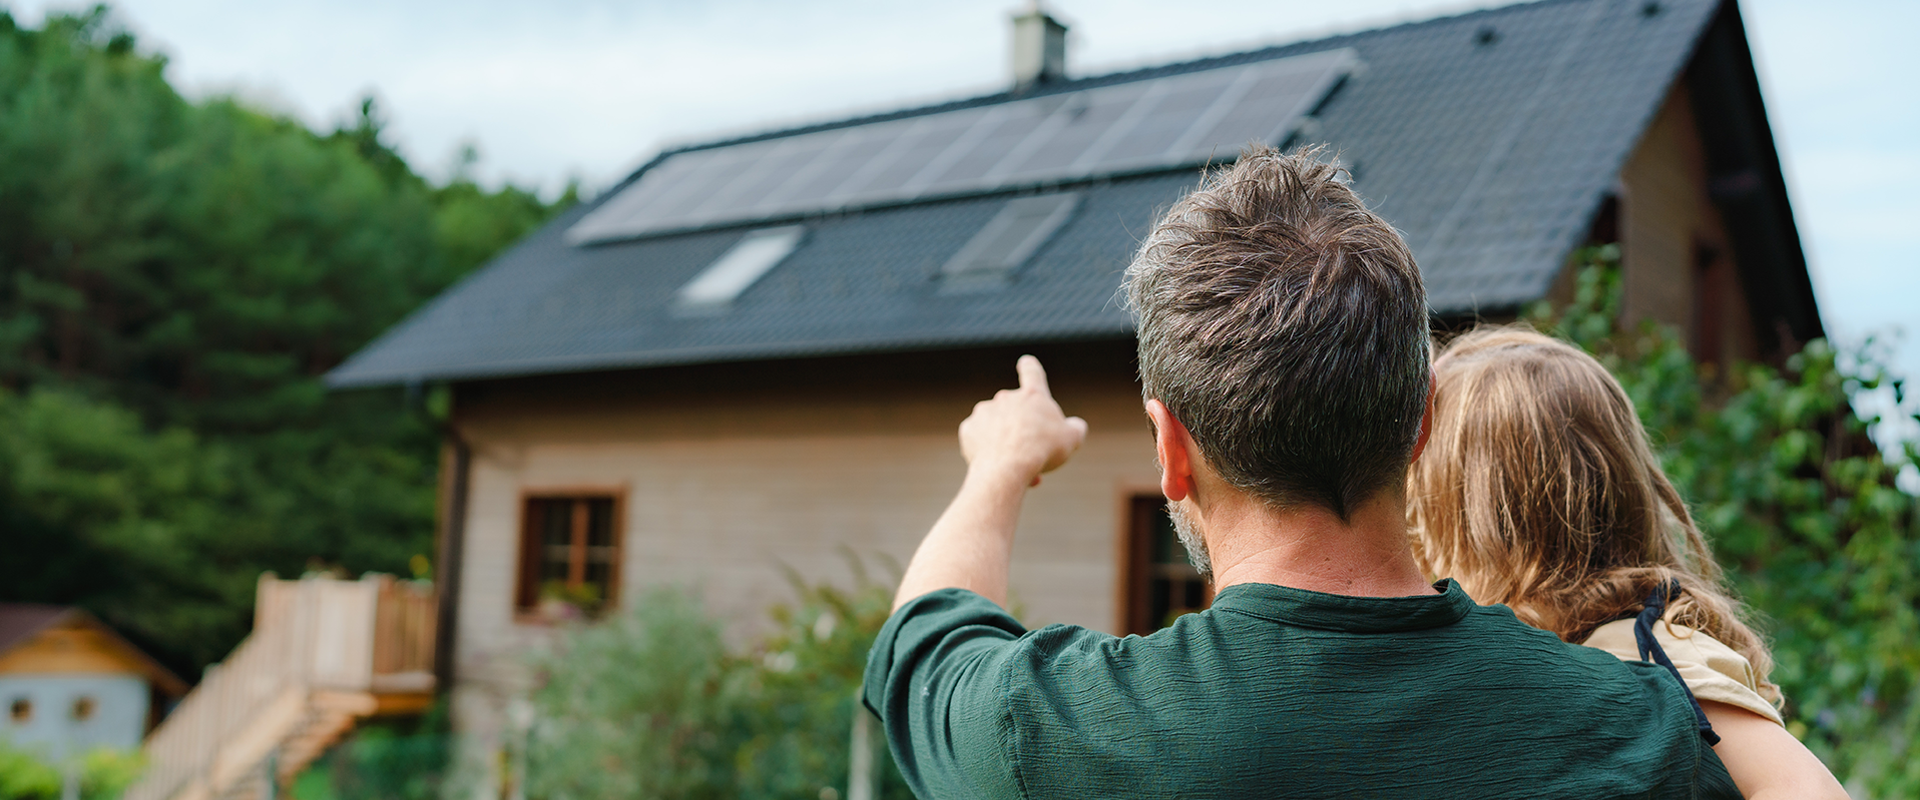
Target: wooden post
[271, 768]
[860, 765]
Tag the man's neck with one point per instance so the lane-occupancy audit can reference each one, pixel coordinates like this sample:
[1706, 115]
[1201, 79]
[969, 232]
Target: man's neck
[1367, 555]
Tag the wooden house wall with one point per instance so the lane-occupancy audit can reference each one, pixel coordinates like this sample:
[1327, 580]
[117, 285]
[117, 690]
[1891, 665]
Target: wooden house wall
[731, 474]
[1667, 220]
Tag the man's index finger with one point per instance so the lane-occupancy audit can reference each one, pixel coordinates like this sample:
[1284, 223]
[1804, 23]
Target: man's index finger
[1032, 375]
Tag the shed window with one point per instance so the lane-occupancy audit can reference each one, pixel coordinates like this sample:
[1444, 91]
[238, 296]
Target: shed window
[20, 711]
[1161, 584]
[1009, 239]
[83, 708]
[569, 555]
[753, 256]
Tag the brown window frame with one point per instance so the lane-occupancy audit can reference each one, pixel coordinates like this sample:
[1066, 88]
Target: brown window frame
[1138, 568]
[1713, 290]
[530, 558]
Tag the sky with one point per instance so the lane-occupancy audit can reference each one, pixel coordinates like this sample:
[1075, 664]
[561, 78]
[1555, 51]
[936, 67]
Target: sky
[586, 90]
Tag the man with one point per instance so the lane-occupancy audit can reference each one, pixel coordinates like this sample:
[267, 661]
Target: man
[1284, 356]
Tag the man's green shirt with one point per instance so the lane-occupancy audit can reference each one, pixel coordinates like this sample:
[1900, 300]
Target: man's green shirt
[1278, 692]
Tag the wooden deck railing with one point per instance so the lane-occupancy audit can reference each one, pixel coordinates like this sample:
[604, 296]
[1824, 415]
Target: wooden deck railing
[403, 638]
[322, 653]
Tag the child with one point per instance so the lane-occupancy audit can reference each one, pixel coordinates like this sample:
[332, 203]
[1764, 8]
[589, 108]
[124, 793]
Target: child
[1538, 490]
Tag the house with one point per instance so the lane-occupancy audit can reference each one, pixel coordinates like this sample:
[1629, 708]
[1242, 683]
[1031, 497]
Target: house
[752, 353]
[70, 684]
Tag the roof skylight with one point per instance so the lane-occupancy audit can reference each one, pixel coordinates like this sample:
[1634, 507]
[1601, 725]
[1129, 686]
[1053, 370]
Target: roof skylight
[752, 257]
[1008, 240]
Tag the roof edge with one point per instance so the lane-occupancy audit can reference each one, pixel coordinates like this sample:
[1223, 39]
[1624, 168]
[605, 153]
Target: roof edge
[704, 355]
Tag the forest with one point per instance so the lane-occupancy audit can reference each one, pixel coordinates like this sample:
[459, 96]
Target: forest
[176, 275]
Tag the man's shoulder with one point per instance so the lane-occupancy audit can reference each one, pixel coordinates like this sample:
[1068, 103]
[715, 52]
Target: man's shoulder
[1498, 629]
[1216, 640]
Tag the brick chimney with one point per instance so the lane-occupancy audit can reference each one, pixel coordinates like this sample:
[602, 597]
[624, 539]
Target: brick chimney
[1039, 48]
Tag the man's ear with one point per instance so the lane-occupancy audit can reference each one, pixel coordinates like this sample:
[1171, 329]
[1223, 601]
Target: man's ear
[1426, 420]
[1174, 447]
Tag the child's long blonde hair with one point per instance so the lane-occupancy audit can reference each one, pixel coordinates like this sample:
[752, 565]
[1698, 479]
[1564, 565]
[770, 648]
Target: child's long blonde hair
[1538, 490]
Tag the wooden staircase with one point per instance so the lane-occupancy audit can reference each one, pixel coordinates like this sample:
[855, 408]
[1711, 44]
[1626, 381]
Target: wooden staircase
[324, 654]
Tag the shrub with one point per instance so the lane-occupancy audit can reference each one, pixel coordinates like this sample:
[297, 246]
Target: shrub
[651, 703]
[393, 759]
[104, 774]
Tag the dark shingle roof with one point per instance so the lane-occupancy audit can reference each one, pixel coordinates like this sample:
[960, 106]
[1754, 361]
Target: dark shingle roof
[20, 621]
[1491, 157]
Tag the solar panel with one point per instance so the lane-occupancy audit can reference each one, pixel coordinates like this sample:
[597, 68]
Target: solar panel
[1155, 123]
[767, 173]
[1079, 128]
[1012, 128]
[898, 164]
[820, 177]
[1251, 118]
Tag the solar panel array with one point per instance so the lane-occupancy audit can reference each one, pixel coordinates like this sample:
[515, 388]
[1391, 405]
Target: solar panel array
[1130, 127]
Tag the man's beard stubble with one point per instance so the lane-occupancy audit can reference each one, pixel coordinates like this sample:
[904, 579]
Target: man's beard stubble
[1190, 538]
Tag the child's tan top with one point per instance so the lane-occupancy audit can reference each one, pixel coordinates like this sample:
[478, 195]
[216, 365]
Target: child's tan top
[1712, 670]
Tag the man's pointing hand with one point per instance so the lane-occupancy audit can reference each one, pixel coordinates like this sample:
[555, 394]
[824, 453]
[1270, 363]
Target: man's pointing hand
[1021, 431]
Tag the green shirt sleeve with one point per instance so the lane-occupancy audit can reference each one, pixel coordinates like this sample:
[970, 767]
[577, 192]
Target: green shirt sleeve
[936, 679]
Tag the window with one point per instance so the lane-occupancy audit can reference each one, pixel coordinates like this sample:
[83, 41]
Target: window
[83, 708]
[21, 711]
[753, 256]
[569, 555]
[1161, 584]
[1008, 240]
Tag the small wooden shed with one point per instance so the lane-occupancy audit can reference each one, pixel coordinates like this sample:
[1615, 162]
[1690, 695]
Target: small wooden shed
[69, 683]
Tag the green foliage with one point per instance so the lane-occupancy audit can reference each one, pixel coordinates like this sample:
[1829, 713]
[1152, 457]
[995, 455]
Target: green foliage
[636, 707]
[23, 776]
[801, 694]
[1803, 512]
[383, 760]
[103, 774]
[175, 277]
[88, 497]
[652, 704]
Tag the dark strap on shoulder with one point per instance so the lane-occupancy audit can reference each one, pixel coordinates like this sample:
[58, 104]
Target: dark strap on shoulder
[1643, 634]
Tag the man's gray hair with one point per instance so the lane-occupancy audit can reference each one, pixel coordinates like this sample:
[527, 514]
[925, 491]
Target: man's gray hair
[1285, 325]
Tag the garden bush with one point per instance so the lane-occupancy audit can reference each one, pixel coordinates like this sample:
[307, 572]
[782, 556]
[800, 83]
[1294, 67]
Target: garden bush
[103, 774]
[651, 703]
